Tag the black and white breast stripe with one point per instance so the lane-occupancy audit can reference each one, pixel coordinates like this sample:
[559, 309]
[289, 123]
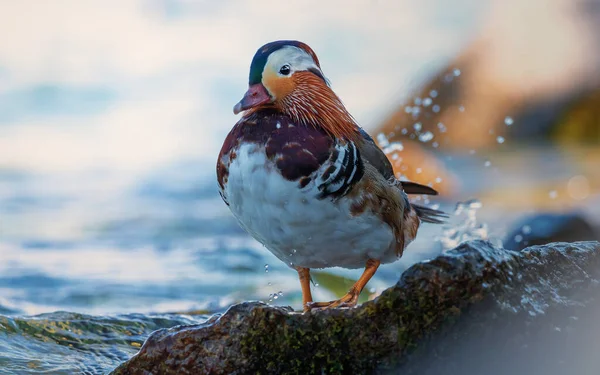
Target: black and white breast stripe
[342, 170]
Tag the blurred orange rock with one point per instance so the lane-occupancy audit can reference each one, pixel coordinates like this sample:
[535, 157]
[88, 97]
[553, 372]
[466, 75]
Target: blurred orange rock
[531, 62]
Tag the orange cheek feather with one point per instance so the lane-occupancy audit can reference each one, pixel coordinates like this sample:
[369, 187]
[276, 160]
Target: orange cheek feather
[278, 87]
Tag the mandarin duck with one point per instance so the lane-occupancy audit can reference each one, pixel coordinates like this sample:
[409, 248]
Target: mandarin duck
[306, 181]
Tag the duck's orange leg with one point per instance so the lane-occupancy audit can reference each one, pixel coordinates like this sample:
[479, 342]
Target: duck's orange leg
[350, 298]
[304, 276]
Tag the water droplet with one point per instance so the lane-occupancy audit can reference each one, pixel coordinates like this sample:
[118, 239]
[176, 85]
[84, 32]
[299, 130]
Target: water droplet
[526, 229]
[578, 187]
[426, 137]
[417, 101]
[270, 283]
[461, 108]
[435, 145]
[435, 108]
[395, 156]
[417, 126]
[416, 111]
[500, 139]
[275, 296]
[316, 284]
[408, 109]
[404, 131]
[266, 268]
[393, 147]
[438, 180]
[427, 102]
[372, 290]
[487, 163]
[553, 194]
[382, 140]
[419, 170]
[508, 120]
[294, 251]
[433, 93]
[280, 293]
[518, 238]
[456, 72]
[442, 127]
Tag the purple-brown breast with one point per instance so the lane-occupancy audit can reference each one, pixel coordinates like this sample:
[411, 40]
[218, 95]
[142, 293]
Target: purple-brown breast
[297, 150]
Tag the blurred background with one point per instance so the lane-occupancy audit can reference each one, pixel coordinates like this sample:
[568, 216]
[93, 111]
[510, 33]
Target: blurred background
[112, 115]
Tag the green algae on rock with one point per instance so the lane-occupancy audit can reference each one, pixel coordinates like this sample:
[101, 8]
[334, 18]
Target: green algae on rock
[430, 298]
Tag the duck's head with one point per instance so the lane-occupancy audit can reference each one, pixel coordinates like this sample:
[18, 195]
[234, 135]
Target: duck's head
[286, 75]
[277, 70]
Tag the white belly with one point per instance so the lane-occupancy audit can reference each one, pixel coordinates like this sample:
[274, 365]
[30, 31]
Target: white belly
[293, 224]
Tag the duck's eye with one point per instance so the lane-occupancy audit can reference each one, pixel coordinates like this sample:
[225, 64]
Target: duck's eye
[285, 70]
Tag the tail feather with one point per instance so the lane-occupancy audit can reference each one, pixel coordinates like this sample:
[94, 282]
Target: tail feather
[414, 188]
[429, 215]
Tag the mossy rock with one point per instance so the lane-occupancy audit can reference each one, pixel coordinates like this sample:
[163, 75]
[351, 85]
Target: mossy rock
[470, 283]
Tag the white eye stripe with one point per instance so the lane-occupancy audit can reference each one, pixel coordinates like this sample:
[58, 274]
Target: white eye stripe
[296, 58]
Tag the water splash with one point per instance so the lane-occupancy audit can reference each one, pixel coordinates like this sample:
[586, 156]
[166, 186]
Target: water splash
[275, 296]
[467, 228]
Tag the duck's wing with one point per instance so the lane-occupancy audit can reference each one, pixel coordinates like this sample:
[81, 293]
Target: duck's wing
[377, 158]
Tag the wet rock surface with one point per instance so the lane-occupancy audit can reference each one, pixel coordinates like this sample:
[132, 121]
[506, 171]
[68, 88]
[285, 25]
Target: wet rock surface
[465, 311]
